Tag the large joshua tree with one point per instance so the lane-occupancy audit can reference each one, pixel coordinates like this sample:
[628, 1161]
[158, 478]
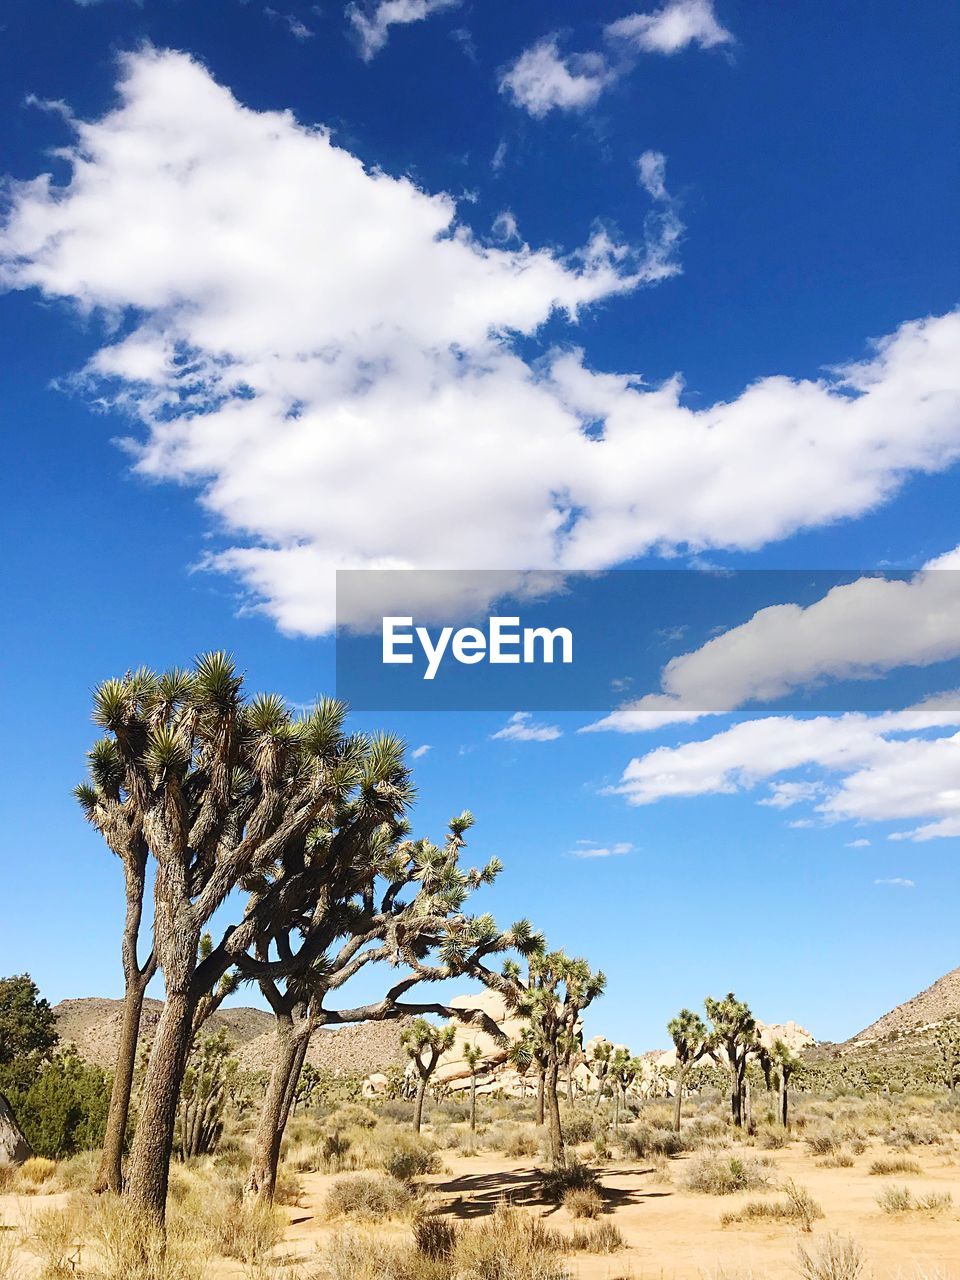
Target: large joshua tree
[365, 918]
[691, 1042]
[426, 1044]
[735, 1033]
[229, 790]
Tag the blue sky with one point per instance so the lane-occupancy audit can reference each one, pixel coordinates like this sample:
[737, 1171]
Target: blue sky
[320, 366]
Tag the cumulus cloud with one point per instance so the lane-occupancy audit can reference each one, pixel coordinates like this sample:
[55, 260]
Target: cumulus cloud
[876, 768]
[591, 849]
[671, 28]
[371, 23]
[300, 370]
[521, 727]
[858, 630]
[543, 79]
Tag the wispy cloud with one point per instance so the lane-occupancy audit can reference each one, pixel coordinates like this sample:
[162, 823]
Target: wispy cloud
[591, 849]
[862, 843]
[671, 28]
[419, 752]
[897, 882]
[372, 22]
[297, 28]
[521, 727]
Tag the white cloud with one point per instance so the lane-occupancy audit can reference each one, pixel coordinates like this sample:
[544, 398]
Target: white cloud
[372, 22]
[858, 630]
[543, 79]
[418, 752]
[878, 773]
[589, 849]
[521, 727]
[897, 882]
[297, 371]
[298, 29]
[671, 28]
[857, 844]
[784, 795]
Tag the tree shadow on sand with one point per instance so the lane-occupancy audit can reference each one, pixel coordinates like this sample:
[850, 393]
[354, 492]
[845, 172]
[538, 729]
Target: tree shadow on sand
[478, 1195]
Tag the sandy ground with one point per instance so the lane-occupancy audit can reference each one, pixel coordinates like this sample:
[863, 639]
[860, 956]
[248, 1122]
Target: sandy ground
[671, 1232]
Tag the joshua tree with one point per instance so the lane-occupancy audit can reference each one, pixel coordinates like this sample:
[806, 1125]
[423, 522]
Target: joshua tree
[552, 999]
[688, 1032]
[473, 1056]
[203, 1096]
[426, 1044]
[947, 1041]
[785, 1065]
[624, 1069]
[114, 801]
[735, 1032]
[230, 791]
[360, 920]
[600, 1054]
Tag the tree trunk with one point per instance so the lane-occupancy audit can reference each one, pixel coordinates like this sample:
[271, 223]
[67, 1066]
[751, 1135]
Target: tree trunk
[153, 1144]
[784, 1102]
[616, 1110]
[678, 1102]
[540, 1088]
[570, 1083]
[747, 1107]
[473, 1102]
[110, 1172]
[557, 1153]
[418, 1108]
[261, 1181]
[736, 1098]
[598, 1097]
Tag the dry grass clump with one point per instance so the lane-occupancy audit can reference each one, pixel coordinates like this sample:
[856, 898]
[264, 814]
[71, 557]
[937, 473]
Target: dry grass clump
[798, 1206]
[911, 1133]
[8, 1248]
[722, 1174]
[54, 1237]
[599, 1237]
[897, 1164]
[833, 1258]
[902, 1200]
[644, 1142]
[31, 1178]
[557, 1184]
[351, 1115]
[508, 1246]
[119, 1244]
[406, 1156]
[583, 1202]
[513, 1140]
[841, 1159]
[369, 1197]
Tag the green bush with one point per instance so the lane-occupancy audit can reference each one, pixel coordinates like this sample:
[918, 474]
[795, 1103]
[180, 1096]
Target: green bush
[65, 1109]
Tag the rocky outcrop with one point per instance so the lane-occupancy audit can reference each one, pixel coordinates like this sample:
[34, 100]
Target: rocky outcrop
[938, 1002]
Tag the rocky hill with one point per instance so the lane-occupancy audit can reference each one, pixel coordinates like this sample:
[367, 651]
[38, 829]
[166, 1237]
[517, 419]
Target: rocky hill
[915, 1017]
[93, 1025]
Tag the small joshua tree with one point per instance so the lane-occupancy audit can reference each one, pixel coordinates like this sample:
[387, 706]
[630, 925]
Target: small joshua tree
[426, 1044]
[785, 1065]
[947, 1041]
[473, 1056]
[734, 1032]
[624, 1069]
[688, 1032]
[203, 1097]
[600, 1054]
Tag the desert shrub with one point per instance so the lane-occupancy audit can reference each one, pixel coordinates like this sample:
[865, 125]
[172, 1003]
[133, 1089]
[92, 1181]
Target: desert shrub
[513, 1140]
[839, 1160]
[644, 1142]
[352, 1115]
[127, 1247]
[249, 1234]
[911, 1134]
[895, 1200]
[35, 1173]
[797, 1206]
[599, 1237]
[64, 1108]
[556, 1184]
[583, 1202]
[578, 1127]
[435, 1237]
[882, 1167]
[771, 1139]
[722, 1174]
[407, 1157]
[368, 1196]
[510, 1245]
[834, 1258]
[824, 1142]
[289, 1189]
